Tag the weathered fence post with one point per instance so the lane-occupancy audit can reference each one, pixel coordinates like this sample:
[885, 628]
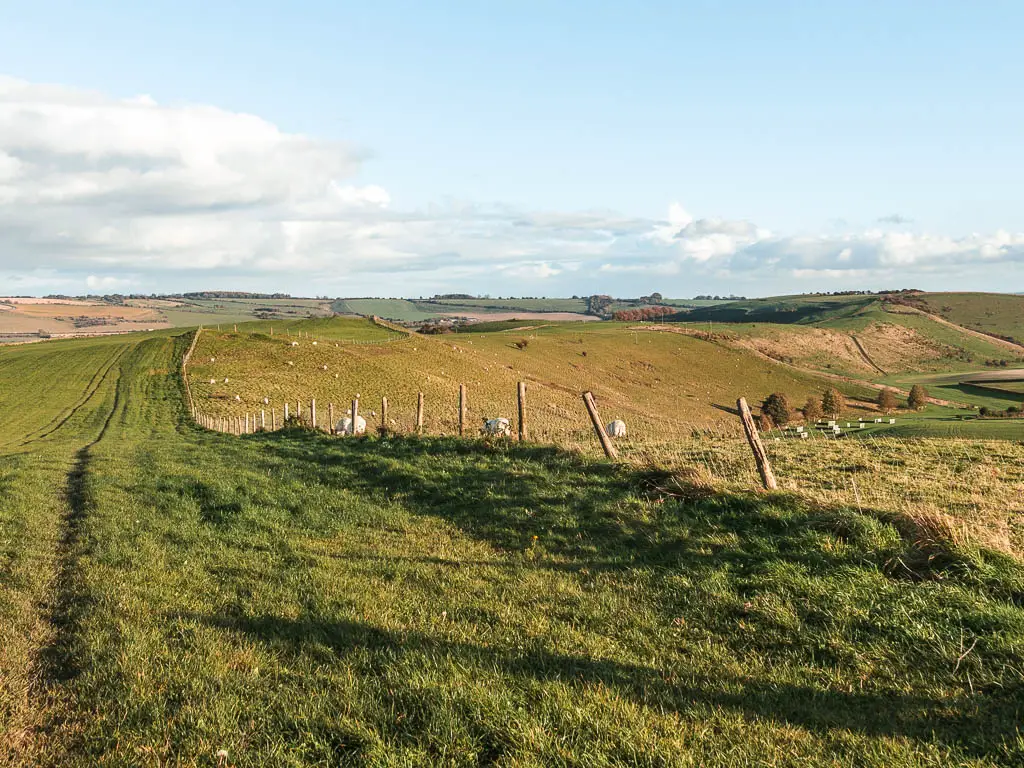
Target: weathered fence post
[521, 397]
[764, 466]
[419, 414]
[384, 413]
[312, 412]
[286, 412]
[330, 415]
[355, 413]
[462, 410]
[273, 419]
[263, 419]
[247, 423]
[595, 418]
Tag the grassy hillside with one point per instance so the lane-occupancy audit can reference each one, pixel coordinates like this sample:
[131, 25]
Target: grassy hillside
[661, 384]
[389, 309]
[1001, 314]
[295, 599]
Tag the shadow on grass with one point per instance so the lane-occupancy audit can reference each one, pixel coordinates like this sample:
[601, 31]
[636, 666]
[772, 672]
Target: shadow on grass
[594, 516]
[978, 726]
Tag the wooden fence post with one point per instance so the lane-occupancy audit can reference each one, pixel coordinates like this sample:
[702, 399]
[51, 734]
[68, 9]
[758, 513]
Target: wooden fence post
[286, 411]
[521, 397]
[247, 423]
[330, 415]
[298, 409]
[384, 413]
[273, 419]
[462, 410]
[419, 414]
[595, 418]
[263, 419]
[312, 412]
[764, 466]
[355, 413]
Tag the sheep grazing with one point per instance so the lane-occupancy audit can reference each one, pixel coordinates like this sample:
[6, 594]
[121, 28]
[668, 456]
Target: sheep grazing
[497, 427]
[295, 343]
[617, 428]
[238, 398]
[266, 401]
[213, 359]
[213, 381]
[225, 379]
[314, 343]
[323, 367]
[345, 426]
[291, 362]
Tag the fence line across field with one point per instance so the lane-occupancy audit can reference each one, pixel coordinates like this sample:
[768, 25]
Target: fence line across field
[256, 421]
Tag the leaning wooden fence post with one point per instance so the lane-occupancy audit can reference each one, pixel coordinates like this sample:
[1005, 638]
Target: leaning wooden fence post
[419, 414]
[312, 413]
[521, 392]
[462, 410]
[595, 418]
[330, 417]
[764, 466]
[383, 414]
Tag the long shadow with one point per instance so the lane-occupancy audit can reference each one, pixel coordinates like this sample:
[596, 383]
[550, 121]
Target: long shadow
[584, 512]
[974, 726]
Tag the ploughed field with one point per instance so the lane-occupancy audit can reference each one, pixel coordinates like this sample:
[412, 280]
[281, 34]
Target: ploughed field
[291, 598]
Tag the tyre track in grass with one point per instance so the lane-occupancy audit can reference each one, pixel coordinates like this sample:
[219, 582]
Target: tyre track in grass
[90, 391]
[65, 601]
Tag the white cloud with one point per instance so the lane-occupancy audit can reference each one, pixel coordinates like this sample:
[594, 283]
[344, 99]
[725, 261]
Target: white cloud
[107, 284]
[117, 194]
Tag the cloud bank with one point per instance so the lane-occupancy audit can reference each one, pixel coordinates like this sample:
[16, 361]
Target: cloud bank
[100, 194]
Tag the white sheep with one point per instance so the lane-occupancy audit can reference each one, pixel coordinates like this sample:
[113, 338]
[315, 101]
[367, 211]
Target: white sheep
[226, 379]
[345, 426]
[238, 398]
[616, 429]
[314, 343]
[213, 381]
[295, 343]
[291, 362]
[266, 401]
[213, 359]
[499, 426]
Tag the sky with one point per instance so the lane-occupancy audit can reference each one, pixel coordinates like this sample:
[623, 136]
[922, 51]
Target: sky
[527, 148]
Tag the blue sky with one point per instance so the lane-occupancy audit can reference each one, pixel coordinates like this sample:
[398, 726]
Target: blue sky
[534, 147]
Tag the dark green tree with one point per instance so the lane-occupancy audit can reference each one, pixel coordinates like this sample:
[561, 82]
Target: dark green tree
[776, 407]
[833, 402]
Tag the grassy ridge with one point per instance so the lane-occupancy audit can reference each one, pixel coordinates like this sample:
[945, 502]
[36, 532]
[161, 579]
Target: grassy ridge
[996, 313]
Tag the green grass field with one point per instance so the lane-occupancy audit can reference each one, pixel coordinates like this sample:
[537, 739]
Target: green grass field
[390, 309]
[997, 313]
[295, 599]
